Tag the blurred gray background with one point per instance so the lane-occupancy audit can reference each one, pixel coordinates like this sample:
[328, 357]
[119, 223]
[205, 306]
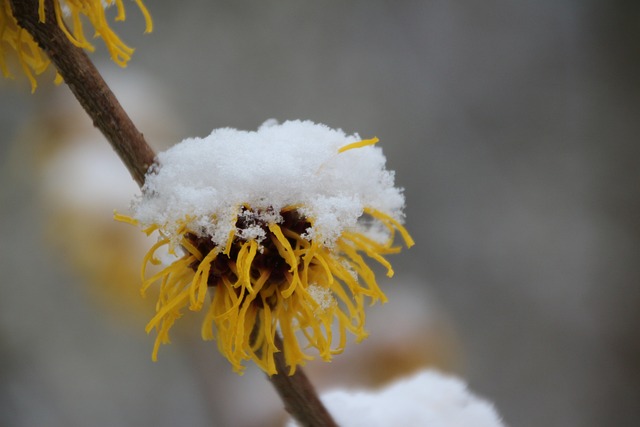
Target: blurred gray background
[513, 127]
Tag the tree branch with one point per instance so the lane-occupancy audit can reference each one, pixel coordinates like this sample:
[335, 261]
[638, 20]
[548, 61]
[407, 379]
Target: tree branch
[88, 86]
[298, 394]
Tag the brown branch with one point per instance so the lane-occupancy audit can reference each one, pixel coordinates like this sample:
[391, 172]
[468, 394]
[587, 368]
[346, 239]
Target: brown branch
[88, 86]
[298, 394]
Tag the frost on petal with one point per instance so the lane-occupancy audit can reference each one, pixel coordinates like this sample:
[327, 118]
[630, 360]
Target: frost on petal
[323, 297]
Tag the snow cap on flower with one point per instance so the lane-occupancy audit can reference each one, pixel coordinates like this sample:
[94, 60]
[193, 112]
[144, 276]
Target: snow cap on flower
[278, 223]
[429, 398]
[297, 163]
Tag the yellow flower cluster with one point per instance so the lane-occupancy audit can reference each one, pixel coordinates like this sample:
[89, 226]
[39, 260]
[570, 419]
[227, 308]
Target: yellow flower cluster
[70, 15]
[271, 276]
[285, 283]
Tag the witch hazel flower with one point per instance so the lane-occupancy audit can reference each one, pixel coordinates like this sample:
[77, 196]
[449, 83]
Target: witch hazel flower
[270, 233]
[70, 16]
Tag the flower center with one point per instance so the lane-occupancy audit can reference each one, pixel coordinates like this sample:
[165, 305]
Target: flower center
[267, 258]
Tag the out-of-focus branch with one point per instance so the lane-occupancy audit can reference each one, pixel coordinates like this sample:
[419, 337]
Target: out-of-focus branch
[298, 394]
[88, 86]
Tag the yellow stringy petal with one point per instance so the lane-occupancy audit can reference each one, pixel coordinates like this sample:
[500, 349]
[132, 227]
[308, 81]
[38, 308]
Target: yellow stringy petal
[150, 258]
[77, 38]
[392, 223]
[307, 293]
[186, 244]
[372, 249]
[232, 235]
[125, 218]
[147, 16]
[121, 13]
[358, 144]
[286, 252]
[199, 284]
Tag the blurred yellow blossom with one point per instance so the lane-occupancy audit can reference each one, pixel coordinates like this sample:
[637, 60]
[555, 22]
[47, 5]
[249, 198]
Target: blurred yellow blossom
[70, 15]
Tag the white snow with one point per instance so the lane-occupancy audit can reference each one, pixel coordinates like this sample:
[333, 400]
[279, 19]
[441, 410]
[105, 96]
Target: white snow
[322, 296]
[428, 399]
[295, 163]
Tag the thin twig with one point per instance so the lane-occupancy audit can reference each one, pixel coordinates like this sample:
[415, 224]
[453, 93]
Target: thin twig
[298, 394]
[88, 86]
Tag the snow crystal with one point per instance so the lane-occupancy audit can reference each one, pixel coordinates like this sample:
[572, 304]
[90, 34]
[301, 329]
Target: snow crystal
[426, 399]
[322, 296]
[207, 181]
